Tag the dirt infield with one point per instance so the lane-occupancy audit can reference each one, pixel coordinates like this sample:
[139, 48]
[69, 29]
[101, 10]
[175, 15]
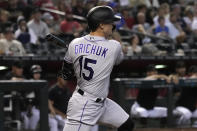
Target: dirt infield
[166, 129]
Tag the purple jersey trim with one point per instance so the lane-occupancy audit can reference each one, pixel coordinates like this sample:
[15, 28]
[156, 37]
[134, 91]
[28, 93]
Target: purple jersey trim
[82, 115]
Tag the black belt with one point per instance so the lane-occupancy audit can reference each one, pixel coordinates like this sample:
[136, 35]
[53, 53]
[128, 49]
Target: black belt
[81, 92]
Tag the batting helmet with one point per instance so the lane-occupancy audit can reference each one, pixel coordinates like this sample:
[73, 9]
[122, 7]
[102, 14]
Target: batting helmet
[101, 14]
[36, 69]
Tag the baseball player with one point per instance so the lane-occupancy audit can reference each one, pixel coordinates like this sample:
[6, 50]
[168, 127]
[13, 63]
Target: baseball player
[31, 116]
[144, 106]
[185, 106]
[92, 58]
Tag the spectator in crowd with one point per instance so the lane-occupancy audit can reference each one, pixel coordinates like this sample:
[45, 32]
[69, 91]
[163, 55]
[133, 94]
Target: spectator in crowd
[49, 20]
[79, 9]
[61, 5]
[129, 20]
[195, 9]
[103, 2]
[152, 3]
[31, 114]
[186, 103]
[10, 46]
[142, 8]
[124, 3]
[144, 106]
[175, 30]
[70, 26]
[4, 15]
[24, 34]
[188, 19]
[90, 4]
[176, 9]
[162, 29]
[194, 23]
[163, 11]
[135, 3]
[39, 27]
[183, 3]
[133, 48]
[141, 22]
[16, 72]
[166, 8]
[47, 4]
[142, 27]
[15, 8]
[151, 13]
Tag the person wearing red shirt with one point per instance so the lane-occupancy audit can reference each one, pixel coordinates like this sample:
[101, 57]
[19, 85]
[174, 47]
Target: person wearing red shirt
[70, 26]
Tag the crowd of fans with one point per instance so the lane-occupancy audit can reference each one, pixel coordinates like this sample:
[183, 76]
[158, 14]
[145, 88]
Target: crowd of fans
[147, 27]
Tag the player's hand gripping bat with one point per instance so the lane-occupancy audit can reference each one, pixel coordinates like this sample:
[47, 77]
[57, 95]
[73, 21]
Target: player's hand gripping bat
[62, 40]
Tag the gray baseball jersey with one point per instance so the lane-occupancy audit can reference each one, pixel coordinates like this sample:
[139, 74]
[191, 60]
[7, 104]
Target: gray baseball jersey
[93, 58]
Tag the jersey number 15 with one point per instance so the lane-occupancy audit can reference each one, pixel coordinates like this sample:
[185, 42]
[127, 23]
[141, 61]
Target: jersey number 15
[86, 67]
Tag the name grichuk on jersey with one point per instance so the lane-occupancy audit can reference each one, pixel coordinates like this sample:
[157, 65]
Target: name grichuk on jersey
[93, 58]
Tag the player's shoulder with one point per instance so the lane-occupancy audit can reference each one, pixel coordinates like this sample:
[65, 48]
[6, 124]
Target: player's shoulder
[115, 43]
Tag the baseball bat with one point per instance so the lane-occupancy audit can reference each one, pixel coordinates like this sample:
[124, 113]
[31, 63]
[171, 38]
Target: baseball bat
[56, 40]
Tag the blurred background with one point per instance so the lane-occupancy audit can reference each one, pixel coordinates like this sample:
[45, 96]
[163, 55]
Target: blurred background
[155, 83]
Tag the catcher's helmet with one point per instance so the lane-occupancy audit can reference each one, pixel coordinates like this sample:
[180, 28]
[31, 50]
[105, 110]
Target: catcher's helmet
[101, 14]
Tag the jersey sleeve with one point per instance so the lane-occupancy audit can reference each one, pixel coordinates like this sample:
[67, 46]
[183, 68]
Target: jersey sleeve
[119, 53]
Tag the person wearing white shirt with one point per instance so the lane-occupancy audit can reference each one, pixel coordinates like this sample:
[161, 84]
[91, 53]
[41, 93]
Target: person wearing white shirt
[189, 17]
[174, 29]
[10, 46]
[133, 48]
[164, 12]
[23, 33]
[152, 3]
[39, 27]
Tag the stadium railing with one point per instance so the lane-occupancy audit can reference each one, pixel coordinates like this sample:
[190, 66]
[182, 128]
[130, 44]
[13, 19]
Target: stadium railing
[120, 84]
